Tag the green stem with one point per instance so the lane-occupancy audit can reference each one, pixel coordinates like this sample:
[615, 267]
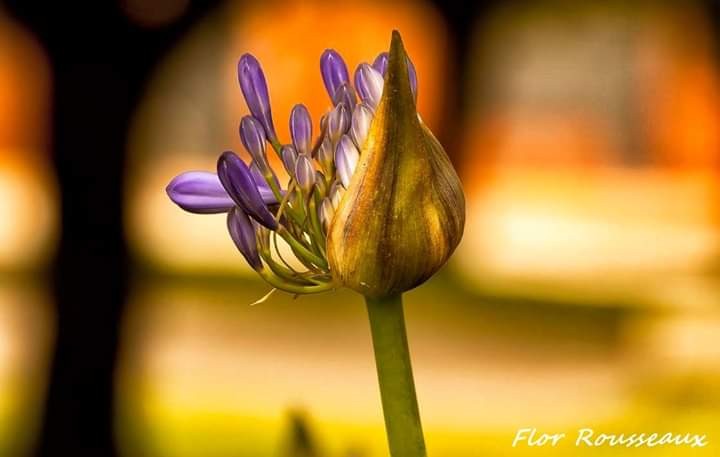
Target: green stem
[397, 388]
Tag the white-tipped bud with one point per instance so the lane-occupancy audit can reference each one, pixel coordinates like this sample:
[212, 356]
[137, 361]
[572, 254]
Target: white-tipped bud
[338, 122]
[346, 159]
[361, 119]
[305, 173]
[369, 83]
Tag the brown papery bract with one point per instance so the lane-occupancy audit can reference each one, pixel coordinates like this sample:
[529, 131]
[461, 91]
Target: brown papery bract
[404, 211]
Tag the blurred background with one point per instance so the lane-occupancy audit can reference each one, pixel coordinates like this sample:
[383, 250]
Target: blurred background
[586, 291]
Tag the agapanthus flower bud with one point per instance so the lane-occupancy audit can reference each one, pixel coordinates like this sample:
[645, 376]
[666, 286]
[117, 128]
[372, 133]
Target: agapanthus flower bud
[346, 159]
[344, 94]
[289, 156]
[369, 83]
[301, 128]
[252, 136]
[237, 179]
[254, 89]
[361, 117]
[334, 71]
[305, 173]
[199, 192]
[383, 212]
[338, 122]
[242, 232]
[404, 211]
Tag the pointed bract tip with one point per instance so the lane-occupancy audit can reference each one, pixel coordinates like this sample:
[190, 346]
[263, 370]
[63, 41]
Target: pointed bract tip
[397, 77]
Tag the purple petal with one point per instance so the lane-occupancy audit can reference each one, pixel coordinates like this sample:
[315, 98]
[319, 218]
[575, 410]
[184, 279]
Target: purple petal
[305, 173]
[255, 91]
[346, 158]
[361, 118]
[252, 136]
[301, 129]
[199, 192]
[242, 232]
[237, 179]
[344, 94]
[381, 62]
[369, 83]
[334, 71]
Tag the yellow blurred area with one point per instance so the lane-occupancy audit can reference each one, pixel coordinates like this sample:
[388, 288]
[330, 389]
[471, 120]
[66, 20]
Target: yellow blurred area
[203, 373]
[26, 334]
[194, 105]
[28, 215]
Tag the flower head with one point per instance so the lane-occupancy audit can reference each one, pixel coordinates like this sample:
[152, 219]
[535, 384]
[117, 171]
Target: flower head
[372, 203]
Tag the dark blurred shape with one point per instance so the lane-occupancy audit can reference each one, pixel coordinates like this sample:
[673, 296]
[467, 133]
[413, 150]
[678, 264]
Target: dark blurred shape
[26, 337]
[154, 13]
[300, 442]
[100, 65]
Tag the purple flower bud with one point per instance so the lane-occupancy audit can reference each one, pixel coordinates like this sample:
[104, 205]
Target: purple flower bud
[334, 71]
[255, 91]
[262, 185]
[326, 213]
[326, 155]
[344, 94]
[361, 118]
[346, 158]
[369, 83]
[305, 173]
[337, 191]
[301, 129]
[237, 179]
[380, 63]
[242, 232]
[199, 192]
[252, 136]
[338, 122]
[289, 156]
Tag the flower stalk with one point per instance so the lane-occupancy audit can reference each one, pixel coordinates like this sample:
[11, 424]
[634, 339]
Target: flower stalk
[395, 377]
